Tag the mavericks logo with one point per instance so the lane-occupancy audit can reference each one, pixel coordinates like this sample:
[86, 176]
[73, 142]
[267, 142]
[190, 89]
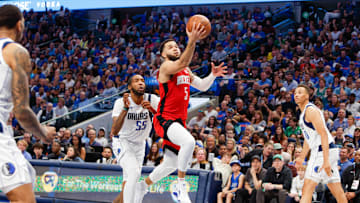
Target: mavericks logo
[49, 181]
[8, 169]
[175, 192]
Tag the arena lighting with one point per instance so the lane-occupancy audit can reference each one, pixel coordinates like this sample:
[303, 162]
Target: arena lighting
[40, 5]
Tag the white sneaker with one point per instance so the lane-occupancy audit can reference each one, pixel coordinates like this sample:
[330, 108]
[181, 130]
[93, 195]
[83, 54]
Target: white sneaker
[140, 192]
[181, 193]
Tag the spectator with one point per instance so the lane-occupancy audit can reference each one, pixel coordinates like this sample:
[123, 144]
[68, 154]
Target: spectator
[349, 175]
[279, 135]
[69, 82]
[29, 141]
[293, 128]
[219, 55]
[277, 182]
[356, 140]
[235, 182]
[81, 134]
[92, 135]
[341, 121]
[356, 90]
[290, 83]
[253, 180]
[56, 151]
[258, 122]
[339, 136]
[110, 89]
[231, 148]
[211, 148]
[352, 106]
[22, 145]
[210, 111]
[343, 162]
[222, 150]
[78, 146]
[101, 137]
[47, 114]
[265, 154]
[291, 151]
[106, 156]
[351, 151]
[297, 184]
[66, 137]
[328, 76]
[342, 87]
[199, 120]
[201, 162]
[222, 166]
[72, 155]
[351, 126]
[61, 109]
[265, 81]
[153, 158]
[38, 105]
[210, 124]
[38, 150]
[222, 113]
[278, 149]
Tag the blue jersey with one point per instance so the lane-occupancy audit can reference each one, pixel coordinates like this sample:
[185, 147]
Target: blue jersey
[234, 181]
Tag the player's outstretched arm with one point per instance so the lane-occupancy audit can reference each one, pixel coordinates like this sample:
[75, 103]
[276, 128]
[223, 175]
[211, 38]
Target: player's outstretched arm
[314, 116]
[205, 84]
[19, 61]
[173, 67]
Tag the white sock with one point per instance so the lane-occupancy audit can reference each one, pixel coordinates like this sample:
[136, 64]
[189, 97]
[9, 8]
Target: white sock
[181, 180]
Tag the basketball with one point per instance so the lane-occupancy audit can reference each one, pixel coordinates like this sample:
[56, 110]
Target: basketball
[199, 19]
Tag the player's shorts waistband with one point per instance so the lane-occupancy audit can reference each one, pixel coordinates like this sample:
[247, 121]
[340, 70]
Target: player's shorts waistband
[331, 146]
[116, 136]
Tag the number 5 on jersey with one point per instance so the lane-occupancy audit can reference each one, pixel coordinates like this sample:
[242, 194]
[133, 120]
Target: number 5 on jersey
[140, 125]
[186, 93]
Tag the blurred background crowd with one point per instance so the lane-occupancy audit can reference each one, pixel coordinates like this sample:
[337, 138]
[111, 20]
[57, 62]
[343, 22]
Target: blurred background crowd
[255, 125]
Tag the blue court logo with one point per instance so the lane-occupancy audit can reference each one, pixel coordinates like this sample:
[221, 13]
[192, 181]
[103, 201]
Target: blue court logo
[49, 181]
[8, 169]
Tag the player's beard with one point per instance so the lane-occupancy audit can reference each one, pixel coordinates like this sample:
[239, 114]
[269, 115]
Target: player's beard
[172, 57]
[138, 93]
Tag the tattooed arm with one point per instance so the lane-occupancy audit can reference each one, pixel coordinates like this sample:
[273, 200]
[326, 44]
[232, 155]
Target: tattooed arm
[17, 57]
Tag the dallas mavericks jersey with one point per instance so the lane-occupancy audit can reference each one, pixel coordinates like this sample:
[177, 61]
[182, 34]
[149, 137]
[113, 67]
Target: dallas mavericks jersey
[6, 104]
[312, 137]
[137, 123]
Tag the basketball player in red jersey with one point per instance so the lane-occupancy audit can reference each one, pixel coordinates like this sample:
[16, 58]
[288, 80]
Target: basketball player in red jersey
[175, 79]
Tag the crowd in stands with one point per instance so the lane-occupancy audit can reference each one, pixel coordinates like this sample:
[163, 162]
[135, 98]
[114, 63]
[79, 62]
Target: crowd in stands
[252, 138]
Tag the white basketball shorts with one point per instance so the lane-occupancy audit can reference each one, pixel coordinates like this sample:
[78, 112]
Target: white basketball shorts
[128, 155]
[315, 163]
[15, 170]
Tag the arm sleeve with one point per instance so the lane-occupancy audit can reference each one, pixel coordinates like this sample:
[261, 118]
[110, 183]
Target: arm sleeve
[203, 84]
[155, 101]
[118, 106]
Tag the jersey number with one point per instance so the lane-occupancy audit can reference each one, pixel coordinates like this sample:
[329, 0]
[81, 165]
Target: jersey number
[186, 93]
[140, 125]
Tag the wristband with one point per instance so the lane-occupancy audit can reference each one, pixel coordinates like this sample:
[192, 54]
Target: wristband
[126, 109]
